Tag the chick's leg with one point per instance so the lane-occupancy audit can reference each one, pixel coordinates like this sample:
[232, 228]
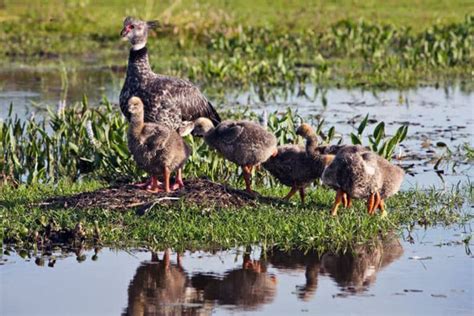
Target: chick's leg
[166, 175]
[345, 201]
[302, 195]
[247, 170]
[291, 193]
[371, 203]
[382, 208]
[377, 202]
[337, 202]
[154, 187]
[179, 180]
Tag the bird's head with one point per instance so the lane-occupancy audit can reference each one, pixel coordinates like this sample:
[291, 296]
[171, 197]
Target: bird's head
[304, 130]
[136, 31]
[327, 159]
[135, 106]
[202, 126]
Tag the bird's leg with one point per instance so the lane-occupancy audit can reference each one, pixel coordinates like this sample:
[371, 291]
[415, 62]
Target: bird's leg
[344, 199]
[349, 201]
[166, 258]
[154, 187]
[338, 200]
[302, 195]
[247, 174]
[142, 185]
[178, 260]
[377, 202]
[179, 180]
[292, 192]
[275, 153]
[371, 203]
[166, 175]
[382, 208]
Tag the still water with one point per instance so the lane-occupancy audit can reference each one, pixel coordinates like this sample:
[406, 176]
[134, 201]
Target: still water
[424, 273]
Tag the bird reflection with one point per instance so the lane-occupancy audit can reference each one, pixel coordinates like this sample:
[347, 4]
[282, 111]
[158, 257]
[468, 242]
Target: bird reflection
[355, 272]
[296, 261]
[248, 287]
[159, 288]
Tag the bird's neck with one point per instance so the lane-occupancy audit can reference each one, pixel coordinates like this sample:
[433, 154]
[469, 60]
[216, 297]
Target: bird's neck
[311, 144]
[138, 63]
[136, 124]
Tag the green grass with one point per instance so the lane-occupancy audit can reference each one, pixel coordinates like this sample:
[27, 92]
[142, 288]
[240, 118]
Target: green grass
[297, 15]
[242, 43]
[191, 227]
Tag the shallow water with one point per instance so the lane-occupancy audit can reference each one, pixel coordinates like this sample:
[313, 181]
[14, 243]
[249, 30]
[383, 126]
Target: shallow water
[434, 115]
[434, 275]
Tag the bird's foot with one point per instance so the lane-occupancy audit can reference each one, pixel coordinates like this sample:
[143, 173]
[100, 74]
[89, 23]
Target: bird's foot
[177, 185]
[156, 189]
[142, 185]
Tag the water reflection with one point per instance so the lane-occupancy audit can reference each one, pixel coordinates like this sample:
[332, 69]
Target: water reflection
[247, 287]
[356, 272]
[298, 261]
[161, 287]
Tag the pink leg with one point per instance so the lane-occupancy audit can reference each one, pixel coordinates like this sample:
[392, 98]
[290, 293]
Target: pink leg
[154, 187]
[142, 185]
[148, 184]
[179, 180]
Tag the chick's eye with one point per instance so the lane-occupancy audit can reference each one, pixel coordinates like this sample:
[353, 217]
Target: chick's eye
[132, 26]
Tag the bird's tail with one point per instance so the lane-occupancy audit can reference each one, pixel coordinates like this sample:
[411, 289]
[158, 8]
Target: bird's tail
[213, 115]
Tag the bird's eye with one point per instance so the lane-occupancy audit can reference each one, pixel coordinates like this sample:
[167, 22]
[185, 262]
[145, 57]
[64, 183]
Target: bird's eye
[132, 26]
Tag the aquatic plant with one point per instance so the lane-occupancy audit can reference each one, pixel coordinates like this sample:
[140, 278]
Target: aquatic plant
[384, 148]
[91, 141]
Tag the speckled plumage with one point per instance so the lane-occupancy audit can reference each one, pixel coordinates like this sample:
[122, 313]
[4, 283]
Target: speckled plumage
[167, 100]
[354, 171]
[359, 173]
[293, 167]
[242, 142]
[156, 146]
[392, 177]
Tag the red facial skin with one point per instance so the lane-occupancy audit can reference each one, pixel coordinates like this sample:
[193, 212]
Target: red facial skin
[127, 29]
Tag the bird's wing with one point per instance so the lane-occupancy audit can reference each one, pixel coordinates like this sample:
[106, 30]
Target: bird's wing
[229, 132]
[156, 136]
[180, 100]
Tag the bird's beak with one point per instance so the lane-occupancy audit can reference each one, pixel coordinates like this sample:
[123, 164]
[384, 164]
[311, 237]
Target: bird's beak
[124, 31]
[327, 159]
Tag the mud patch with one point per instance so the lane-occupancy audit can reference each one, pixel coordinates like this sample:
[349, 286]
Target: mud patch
[200, 192]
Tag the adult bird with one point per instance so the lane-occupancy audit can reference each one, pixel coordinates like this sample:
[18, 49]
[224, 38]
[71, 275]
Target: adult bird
[167, 100]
